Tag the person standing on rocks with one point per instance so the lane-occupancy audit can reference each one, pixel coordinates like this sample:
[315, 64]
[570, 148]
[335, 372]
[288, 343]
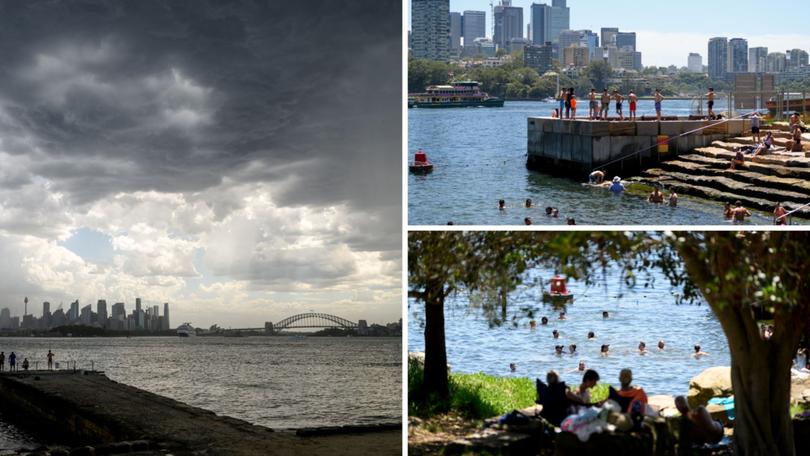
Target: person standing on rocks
[50, 360]
[755, 127]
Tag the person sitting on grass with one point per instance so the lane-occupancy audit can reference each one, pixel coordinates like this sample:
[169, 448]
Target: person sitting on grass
[628, 395]
[556, 399]
[702, 429]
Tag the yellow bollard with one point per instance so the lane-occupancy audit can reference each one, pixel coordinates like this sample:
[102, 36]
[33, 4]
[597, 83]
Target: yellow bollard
[663, 144]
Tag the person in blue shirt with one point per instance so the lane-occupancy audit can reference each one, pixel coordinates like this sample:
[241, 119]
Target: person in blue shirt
[617, 186]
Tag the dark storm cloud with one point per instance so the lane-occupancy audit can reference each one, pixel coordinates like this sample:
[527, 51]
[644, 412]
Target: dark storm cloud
[109, 96]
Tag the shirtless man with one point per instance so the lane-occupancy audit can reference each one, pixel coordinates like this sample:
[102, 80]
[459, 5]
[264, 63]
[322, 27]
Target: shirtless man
[728, 212]
[642, 348]
[658, 99]
[673, 198]
[697, 354]
[593, 109]
[710, 103]
[618, 97]
[633, 100]
[779, 215]
[704, 429]
[661, 344]
[603, 113]
[656, 196]
[596, 177]
[739, 213]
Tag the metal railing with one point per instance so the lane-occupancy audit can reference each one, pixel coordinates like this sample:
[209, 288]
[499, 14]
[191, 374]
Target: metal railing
[779, 103]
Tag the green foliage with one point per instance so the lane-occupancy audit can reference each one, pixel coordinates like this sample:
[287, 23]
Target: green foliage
[476, 396]
[598, 73]
[424, 72]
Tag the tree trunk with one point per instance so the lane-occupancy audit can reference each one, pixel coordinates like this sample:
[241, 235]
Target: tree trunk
[435, 379]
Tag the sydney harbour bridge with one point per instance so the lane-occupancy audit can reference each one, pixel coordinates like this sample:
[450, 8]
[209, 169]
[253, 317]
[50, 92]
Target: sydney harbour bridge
[310, 320]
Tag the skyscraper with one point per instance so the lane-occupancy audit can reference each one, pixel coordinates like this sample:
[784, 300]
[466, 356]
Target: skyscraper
[473, 25]
[166, 324]
[695, 63]
[430, 23]
[609, 36]
[796, 58]
[626, 41]
[737, 55]
[455, 32]
[560, 19]
[101, 310]
[538, 57]
[508, 23]
[775, 62]
[756, 59]
[541, 23]
[718, 57]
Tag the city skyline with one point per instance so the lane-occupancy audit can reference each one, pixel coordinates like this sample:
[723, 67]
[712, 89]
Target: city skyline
[692, 23]
[214, 156]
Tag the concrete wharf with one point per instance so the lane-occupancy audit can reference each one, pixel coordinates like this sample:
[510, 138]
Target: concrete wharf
[694, 159]
[87, 408]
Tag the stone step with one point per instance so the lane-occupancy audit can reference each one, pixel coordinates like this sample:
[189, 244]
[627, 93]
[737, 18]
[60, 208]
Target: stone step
[779, 165]
[661, 177]
[699, 165]
[733, 186]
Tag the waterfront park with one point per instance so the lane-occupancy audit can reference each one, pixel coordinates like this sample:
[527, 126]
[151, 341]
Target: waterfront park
[608, 342]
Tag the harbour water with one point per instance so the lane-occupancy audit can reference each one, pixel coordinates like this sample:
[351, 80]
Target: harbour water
[648, 315]
[480, 157]
[278, 382]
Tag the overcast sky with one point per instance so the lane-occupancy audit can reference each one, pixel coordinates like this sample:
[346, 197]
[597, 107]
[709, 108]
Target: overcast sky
[238, 159]
[667, 31]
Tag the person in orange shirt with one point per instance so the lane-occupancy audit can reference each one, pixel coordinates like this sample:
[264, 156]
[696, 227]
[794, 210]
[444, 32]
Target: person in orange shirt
[628, 395]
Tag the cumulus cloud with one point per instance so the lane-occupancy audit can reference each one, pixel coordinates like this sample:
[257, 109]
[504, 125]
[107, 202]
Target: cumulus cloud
[225, 149]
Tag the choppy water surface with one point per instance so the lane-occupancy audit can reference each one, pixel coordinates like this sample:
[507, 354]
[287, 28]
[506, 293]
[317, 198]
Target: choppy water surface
[480, 157]
[278, 382]
[644, 315]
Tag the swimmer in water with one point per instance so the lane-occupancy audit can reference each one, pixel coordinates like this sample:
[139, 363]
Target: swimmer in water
[673, 198]
[528, 203]
[549, 210]
[555, 212]
[532, 324]
[660, 344]
[501, 204]
[604, 350]
[572, 348]
[581, 366]
[617, 186]
[558, 349]
[555, 334]
[591, 335]
[740, 213]
[656, 196]
[642, 348]
[605, 314]
[727, 211]
[512, 367]
[544, 321]
[570, 221]
[697, 354]
[527, 221]
[562, 316]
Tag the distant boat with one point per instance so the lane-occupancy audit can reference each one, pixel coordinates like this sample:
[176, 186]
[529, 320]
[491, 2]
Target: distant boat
[186, 330]
[462, 94]
[549, 100]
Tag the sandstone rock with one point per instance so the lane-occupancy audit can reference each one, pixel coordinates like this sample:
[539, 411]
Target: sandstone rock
[712, 382]
[663, 404]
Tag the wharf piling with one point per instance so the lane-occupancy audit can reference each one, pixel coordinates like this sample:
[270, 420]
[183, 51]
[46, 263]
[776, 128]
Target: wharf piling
[87, 408]
[576, 147]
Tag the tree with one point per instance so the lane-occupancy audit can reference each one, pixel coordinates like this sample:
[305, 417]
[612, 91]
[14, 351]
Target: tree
[740, 275]
[598, 72]
[424, 72]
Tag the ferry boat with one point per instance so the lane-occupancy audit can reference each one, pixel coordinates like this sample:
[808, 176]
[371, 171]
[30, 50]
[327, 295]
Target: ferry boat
[186, 330]
[462, 94]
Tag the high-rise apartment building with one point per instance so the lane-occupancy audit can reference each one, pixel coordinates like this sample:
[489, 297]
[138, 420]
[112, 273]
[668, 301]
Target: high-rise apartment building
[430, 24]
[118, 311]
[757, 57]
[695, 63]
[775, 62]
[540, 15]
[796, 58]
[473, 25]
[609, 36]
[626, 41]
[73, 313]
[508, 23]
[718, 57]
[560, 19]
[455, 33]
[538, 57]
[101, 311]
[166, 324]
[737, 55]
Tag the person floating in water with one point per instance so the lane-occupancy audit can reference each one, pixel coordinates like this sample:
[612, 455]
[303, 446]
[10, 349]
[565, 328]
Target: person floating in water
[528, 203]
[562, 316]
[605, 314]
[572, 348]
[544, 321]
[501, 204]
[642, 348]
[512, 367]
[50, 359]
[527, 220]
[532, 324]
[555, 334]
[616, 187]
[570, 221]
[661, 344]
[558, 349]
[591, 335]
[698, 353]
[604, 350]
